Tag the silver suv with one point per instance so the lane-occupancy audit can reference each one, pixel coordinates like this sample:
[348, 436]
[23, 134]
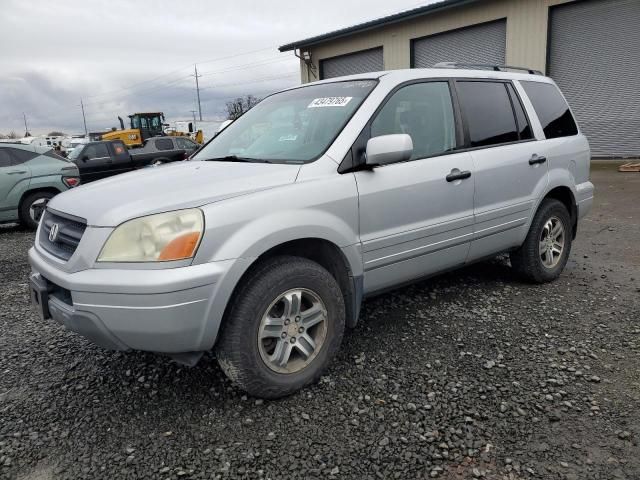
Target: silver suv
[265, 244]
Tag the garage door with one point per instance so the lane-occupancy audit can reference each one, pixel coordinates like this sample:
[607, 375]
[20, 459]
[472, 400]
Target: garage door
[484, 43]
[595, 59]
[359, 62]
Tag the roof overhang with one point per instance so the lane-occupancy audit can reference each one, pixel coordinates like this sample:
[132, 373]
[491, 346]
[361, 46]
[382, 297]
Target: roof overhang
[362, 27]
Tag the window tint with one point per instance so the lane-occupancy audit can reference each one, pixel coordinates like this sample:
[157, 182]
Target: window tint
[118, 148]
[185, 143]
[524, 129]
[488, 113]
[5, 158]
[96, 150]
[21, 156]
[423, 111]
[164, 144]
[552, 110]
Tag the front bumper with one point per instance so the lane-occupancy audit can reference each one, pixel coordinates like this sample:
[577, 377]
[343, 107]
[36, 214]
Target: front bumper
[169, 311]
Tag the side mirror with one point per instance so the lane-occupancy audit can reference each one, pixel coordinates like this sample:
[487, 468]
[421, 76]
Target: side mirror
[387, 149]
[85, 158]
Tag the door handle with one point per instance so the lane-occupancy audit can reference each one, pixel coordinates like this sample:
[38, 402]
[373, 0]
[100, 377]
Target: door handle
[536, 159]
[16, 172]
[458, 175]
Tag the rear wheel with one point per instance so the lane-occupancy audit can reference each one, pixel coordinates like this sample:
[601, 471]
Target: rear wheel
[545, 251]
[284, 328]
[32, 208]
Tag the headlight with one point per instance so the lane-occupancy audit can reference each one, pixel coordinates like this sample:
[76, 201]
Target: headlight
[155, 238]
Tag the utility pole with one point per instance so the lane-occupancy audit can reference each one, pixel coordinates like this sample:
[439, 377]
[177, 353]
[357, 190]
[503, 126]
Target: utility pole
[195, 67]
[193, 112]
[84, 119]
[26, 128]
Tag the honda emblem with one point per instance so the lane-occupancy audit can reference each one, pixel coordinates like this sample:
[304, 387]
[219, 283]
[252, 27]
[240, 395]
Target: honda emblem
[53, 233]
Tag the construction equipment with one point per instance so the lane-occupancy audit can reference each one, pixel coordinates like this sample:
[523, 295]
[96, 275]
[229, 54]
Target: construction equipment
[142, 126]
[199, 132]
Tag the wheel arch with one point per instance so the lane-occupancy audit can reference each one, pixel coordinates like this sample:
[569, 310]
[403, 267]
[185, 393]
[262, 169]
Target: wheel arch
[320, 250]
[566, 196]
[26, 193]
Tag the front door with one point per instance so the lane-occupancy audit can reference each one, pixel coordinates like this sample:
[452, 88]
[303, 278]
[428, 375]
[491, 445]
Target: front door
[416, 218]
[94, 162]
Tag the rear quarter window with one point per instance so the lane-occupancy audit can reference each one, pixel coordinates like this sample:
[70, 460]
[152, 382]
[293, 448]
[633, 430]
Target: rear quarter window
[551, 108]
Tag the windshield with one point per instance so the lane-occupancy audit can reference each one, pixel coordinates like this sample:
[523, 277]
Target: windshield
[293, 126]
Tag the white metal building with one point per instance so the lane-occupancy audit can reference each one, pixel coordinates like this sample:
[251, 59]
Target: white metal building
[590, 47]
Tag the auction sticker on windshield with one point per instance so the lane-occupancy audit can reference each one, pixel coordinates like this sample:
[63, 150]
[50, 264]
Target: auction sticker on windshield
[329, 102]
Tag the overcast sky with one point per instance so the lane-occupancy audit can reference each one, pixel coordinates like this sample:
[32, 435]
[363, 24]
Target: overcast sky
[122, 56]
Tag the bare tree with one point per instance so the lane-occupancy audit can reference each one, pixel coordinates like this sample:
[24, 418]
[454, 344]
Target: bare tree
[12, 135]
[240, 105]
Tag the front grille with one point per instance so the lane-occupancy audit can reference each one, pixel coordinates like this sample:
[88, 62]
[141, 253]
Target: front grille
[70, 231]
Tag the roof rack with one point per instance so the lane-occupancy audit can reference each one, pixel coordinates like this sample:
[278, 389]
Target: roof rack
[486, 66]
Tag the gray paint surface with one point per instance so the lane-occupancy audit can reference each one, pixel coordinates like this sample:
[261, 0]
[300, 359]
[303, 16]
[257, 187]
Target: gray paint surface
[358, 62]
[594, 57]
[484, 43]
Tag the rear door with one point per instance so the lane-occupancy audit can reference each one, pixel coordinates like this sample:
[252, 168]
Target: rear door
[510, 169]
[414, 221]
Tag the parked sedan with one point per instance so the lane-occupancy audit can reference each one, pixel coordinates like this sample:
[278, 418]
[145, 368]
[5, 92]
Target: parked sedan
[29, 177]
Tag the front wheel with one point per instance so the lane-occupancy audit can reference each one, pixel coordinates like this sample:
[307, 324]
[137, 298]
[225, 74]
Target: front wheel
[545, 251]
[284, 328]
[32, 207]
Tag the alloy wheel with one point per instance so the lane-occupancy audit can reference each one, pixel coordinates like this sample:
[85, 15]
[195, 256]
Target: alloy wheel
[292, 330]
[552, 242]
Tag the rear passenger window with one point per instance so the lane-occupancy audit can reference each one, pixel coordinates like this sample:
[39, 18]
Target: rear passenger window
[5, 158]
[164, 144]
[524, 129]
[425, 112]
[552, 110]
[487, 110]
[21, 156]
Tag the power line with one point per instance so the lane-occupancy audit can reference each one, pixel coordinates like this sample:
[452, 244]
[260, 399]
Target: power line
[135, 85]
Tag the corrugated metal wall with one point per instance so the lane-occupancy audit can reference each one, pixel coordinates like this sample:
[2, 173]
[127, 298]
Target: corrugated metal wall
[594, 56]
[484, 43]
[357, 62]
[526, 33]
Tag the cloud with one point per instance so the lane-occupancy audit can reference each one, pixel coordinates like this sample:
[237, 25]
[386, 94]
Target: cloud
[121, 56]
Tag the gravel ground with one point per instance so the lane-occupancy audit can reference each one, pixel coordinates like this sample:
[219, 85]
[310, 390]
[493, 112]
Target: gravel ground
[472, 374]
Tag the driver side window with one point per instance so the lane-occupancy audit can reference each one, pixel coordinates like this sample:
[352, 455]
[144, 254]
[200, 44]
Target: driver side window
[425, 112]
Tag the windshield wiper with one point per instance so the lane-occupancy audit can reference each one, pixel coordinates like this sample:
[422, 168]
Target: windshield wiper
[235, 158]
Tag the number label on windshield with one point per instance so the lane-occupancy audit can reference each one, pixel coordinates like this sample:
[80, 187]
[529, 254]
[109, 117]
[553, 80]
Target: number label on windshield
[329, 102]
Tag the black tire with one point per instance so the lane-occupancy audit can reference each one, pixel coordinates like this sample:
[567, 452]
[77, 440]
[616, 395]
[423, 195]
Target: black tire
[237, 349]
[25, 208]
[527, 261]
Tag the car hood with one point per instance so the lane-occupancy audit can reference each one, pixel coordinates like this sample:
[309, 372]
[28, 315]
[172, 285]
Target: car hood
[109, 202]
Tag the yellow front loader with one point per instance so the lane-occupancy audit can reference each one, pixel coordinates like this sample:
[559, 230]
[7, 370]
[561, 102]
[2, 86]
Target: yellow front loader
[142, 126]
